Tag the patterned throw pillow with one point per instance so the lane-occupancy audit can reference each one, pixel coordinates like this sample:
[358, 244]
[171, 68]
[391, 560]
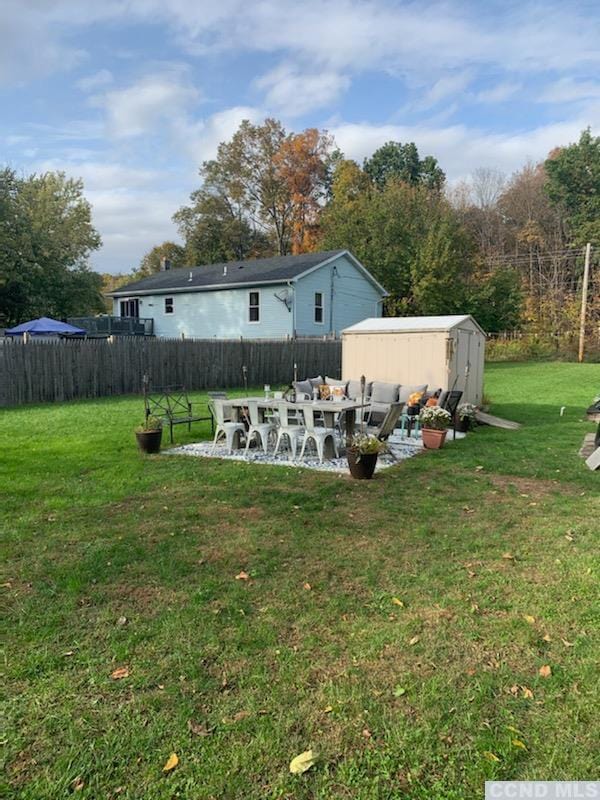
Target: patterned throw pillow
[324, 391]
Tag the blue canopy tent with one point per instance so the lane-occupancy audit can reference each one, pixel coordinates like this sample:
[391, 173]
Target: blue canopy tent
[44, 326]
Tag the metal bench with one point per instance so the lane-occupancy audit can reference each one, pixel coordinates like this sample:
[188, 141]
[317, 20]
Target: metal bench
[172, 405]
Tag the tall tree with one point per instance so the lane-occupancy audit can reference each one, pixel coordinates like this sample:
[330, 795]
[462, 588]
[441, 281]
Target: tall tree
[46, 237]
[260, 194]
[152, 261]
[574, 184]
[402, 161]
[303, 163]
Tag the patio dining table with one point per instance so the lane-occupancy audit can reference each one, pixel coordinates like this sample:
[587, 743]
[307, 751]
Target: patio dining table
[329, 408]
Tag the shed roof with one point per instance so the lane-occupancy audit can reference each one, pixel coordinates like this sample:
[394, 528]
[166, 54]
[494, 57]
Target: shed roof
[229, 274]
[410, 324]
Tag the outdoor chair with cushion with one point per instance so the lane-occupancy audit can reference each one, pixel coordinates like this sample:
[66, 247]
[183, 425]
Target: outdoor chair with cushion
[231, 429]
[382, 396]
[257, 429]
[317, 434]
[290, 427]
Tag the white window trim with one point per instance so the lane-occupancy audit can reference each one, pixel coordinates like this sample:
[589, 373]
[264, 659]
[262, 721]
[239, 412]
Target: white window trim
[254, 321]
[172, 311]
[316, 322]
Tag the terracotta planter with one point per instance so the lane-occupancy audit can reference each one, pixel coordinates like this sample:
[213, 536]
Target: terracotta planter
[363, 467]
[433, 439]
[149, 441]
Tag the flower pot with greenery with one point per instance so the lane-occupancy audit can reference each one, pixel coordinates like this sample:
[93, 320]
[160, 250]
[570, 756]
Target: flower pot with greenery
[149, 435]
[465, 417]
[362, 455]
[435, 422]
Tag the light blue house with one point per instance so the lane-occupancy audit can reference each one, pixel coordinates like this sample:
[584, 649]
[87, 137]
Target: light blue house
[314, 294]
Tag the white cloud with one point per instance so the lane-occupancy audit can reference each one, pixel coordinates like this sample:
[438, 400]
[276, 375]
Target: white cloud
[445, 87]
[293, 92]
[158, 98]
[499, 93]
[460, 149]
[95, 81]
[567, 90]
[201, 138]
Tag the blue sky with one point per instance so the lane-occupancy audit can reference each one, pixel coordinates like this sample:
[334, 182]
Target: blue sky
[132, 95]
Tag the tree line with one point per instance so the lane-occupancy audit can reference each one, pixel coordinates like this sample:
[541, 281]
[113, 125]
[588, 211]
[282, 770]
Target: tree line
[506, 249]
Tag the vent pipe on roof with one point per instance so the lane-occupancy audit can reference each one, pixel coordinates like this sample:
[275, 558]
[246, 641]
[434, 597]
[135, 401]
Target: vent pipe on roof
[225, 270]
[190, 278]
[165, 264]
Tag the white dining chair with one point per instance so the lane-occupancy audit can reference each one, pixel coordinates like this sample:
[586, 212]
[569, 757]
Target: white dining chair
[290, 427]
[224, 424]
[317, 434]
[260, 431]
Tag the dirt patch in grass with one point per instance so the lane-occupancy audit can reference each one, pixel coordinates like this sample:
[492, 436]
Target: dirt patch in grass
[532, 487]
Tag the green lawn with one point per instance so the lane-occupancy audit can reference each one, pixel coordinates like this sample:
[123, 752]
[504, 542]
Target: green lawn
[398, 626]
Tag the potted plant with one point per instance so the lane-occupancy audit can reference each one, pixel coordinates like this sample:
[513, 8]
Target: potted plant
[362, 455]
[434, 425]
[149, 435]
[466, 417]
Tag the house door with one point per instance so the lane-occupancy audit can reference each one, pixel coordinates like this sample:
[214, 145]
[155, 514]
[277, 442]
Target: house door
[130, 308]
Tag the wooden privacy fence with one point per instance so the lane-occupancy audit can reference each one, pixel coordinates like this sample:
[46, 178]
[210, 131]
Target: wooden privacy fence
[33, 372]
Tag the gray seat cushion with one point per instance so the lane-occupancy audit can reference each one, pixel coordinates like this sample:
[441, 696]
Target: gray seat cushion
[353, 390]
[316, 382]
[406, 391]
[303, 387]
[384, 392]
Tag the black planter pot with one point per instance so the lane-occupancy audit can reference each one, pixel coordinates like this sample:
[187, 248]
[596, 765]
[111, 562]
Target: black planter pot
[362, 467]
[463, 425]
[149, 441]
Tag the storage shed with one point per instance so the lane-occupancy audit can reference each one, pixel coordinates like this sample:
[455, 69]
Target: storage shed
[444, 352]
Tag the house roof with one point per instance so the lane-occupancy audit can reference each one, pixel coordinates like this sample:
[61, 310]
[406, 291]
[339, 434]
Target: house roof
[231, 274]
[410, 324]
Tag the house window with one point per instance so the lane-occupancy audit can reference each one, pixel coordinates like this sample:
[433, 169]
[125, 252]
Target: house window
[130, 308]
[253, 306]
[168, 305]
[319, 307]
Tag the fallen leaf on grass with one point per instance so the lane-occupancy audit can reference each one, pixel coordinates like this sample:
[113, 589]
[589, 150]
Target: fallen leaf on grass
[242, 576]
[199, 728]
[307, 586]
[518, 743]
[397, 602]
[545, 671]
[528, 618]
[399, 691]
[78, 784]
[508, 556]
[366, 733]
[119, 673]
[490, 756]
[527, 693]
[567, 644]
[303, 762]
[414, 640]
[171, 762]
[546, 637]
[328, 709]
[122, 621]
[240, 716]
[479, 467]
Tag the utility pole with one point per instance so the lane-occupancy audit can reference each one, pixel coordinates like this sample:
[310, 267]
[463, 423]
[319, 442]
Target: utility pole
[586, 277]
